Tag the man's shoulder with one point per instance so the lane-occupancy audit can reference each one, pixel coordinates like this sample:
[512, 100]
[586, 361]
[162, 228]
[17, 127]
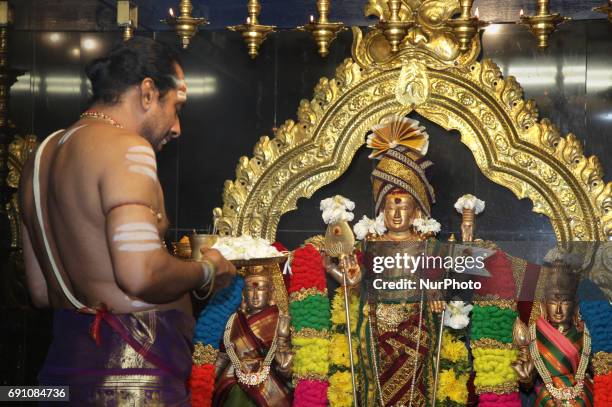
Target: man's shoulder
[112, 144]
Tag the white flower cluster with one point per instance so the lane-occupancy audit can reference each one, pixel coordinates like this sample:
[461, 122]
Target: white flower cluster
[336, 209]
[469, 201]
[426, 225]
[245, 247]
[556, 254]
[367, 226]
[456, 315]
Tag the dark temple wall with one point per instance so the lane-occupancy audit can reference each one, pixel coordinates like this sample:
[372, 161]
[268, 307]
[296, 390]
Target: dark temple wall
[234, 100]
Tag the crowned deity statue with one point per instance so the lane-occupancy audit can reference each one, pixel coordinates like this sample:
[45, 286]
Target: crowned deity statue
[397, 323]
[255, 360]
[556, 348]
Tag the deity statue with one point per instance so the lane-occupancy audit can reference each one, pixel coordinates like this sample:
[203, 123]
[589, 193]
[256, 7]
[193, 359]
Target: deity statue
[555, 350]
[397, 326]
[255, 360]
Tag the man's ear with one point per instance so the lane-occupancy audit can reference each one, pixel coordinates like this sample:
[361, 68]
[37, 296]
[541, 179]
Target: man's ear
[148, 93]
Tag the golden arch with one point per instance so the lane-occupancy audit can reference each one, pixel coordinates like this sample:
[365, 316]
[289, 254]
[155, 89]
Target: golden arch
[510, 146]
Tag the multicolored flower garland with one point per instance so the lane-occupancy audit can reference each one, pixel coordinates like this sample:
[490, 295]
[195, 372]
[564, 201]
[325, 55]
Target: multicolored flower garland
[454, 362]
[208, 333]
[340, 392]
[493, 318]
[595, 310]
[310, 320]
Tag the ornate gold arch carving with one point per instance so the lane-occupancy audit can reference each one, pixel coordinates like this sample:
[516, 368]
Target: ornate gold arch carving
[510, 145]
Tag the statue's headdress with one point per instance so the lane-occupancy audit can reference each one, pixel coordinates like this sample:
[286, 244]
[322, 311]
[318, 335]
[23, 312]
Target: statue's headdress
[560, 272]
[401, 144]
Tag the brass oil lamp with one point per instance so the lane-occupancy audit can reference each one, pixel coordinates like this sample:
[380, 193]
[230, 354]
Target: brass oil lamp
[607, 9]
[543, 24]
[127, 18]
[253, 33]
[185, 24]
[323, 31]
[466, 26]
[394, 29]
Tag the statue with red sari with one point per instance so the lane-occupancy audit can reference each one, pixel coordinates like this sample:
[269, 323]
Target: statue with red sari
[255, 359]
[556, 349]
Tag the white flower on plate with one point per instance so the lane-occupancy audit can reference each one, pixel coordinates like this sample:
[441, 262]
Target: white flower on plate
[457, 314]
[367, 226]
[426, 225]
[245, 247]
[469, 201]
[336, 209]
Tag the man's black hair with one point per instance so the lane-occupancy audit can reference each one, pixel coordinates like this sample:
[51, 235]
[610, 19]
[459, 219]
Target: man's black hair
[127, 65]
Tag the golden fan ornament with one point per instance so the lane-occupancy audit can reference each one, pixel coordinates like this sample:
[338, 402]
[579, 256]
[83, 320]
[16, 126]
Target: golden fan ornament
[398, 131]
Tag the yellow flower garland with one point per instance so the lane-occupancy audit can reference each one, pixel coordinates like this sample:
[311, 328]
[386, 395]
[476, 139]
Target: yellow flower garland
[339, 350]
[452, 386]
[494, 366]
[338, 315]
[452, 349]
[311, 356]
[340, 392]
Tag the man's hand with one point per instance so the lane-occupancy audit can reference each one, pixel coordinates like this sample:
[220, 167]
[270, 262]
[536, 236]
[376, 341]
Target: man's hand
[225, 270]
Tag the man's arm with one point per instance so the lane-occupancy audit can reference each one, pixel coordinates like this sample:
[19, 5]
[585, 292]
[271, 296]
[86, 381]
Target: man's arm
[142, 266]
[34, 275]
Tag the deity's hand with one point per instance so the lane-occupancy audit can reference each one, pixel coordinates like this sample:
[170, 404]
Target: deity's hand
[284, 326]
[225, 270]
[524, 370]
[436, 302]
[284, 362]
[348, 265]
[220, 363]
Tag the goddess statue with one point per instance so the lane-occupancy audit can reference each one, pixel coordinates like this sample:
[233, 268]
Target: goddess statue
[255, 360]
[555, 350]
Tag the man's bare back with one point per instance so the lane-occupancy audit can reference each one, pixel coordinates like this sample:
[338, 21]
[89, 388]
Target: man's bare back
[72, 207]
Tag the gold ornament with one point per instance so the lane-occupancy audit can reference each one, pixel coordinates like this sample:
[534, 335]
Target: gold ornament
[607, 9]
[323, 31]
[252, 378]
[510, 144]
[563, 394]
[543, 24]
[254, 34]
[185, 24]
[204, 354]
[398, 131]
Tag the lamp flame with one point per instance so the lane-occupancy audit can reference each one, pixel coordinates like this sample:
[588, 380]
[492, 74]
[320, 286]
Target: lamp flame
[521, 13]
[311, 18]
[171, 12]
[477, 14]
[248, 20]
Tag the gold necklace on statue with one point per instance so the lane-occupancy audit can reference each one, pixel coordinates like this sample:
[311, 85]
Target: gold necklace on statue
[100, 116]
[255, 378]
[563, 395]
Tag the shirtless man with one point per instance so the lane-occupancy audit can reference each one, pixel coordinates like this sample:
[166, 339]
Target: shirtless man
[101, 250]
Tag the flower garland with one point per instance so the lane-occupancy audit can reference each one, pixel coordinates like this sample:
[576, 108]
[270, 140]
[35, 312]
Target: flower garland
[595, 310]
[207, 337]
[493, 319]
[310, 323]
[340, 392]
[454, 360]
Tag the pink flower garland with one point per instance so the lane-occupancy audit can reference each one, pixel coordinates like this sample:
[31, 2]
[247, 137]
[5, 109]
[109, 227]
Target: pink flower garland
[310, 393]
[499, 400]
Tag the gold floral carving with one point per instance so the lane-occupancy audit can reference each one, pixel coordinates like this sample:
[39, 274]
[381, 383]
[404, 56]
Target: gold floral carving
[510, 144]
[602, 363]
[204, 354]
